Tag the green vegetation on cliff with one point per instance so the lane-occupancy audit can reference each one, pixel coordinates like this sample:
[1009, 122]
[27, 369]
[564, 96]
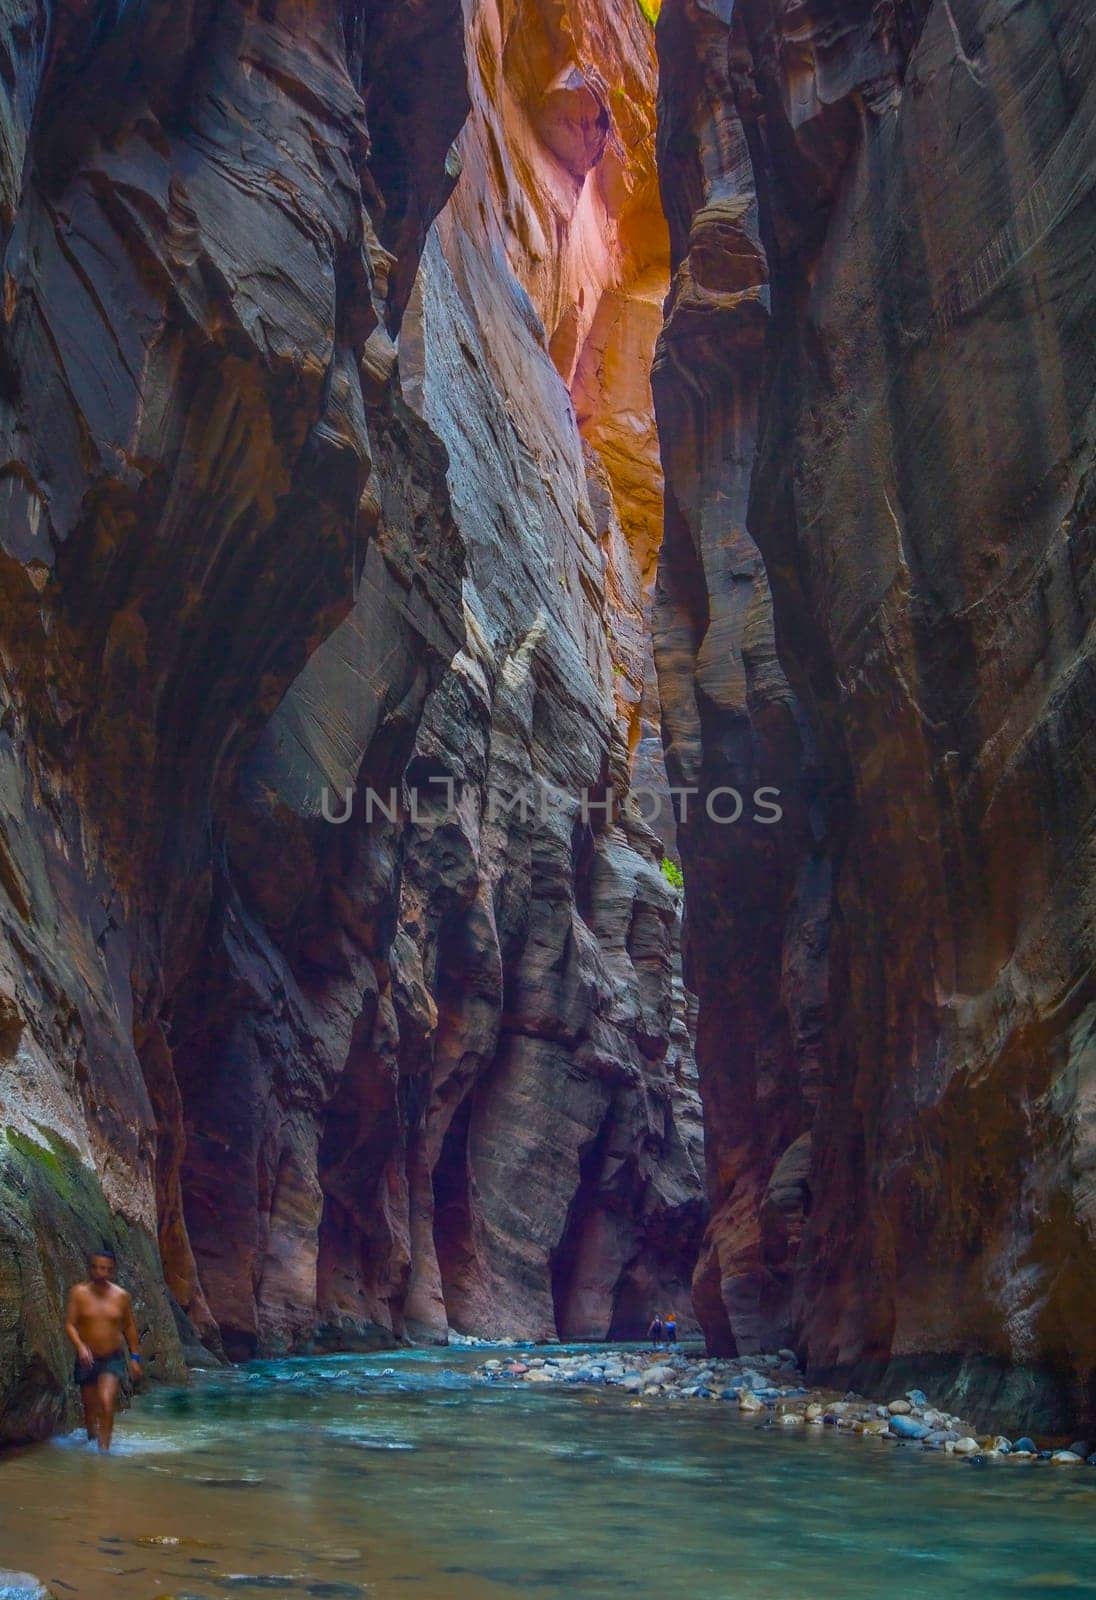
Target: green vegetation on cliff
[52, 1210]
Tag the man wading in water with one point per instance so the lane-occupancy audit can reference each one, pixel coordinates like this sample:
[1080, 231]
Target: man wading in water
[98, 1318]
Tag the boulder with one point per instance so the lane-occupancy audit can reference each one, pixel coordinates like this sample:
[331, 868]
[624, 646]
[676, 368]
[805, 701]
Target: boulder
[904, 1427]
[658, 1374]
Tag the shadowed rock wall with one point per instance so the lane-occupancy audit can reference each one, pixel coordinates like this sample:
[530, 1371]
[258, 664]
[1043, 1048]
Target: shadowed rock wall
[202, 246]
[875, 392]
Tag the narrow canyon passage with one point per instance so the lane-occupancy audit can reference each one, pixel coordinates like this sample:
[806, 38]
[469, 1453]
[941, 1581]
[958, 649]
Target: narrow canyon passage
[426, 426]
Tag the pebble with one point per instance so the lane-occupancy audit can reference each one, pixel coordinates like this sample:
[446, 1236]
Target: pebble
[1067, 1458]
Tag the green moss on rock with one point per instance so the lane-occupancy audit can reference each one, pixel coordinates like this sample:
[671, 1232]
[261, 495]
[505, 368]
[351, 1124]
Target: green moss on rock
[52, 1210]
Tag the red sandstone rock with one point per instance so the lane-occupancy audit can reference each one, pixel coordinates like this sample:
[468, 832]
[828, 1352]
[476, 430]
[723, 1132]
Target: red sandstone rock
[875, 592]
[356, 1081]
[194, 231]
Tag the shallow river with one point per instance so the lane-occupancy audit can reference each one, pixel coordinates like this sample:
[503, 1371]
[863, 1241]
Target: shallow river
[402, 1477]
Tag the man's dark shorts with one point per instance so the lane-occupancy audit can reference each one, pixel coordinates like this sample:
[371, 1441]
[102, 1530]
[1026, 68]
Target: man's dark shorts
[115, 1365]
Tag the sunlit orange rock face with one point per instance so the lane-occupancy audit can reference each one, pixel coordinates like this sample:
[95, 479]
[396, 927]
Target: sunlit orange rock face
[560, 188]
[874, 389]
[554, 1182]
[296, 499]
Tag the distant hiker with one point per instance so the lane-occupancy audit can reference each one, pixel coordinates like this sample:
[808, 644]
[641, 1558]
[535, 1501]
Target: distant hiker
[669, 1328]
[98, 1318]
[656, 1332]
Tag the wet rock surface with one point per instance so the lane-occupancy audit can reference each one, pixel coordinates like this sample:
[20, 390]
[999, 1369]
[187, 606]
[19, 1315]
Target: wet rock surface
[874, 392]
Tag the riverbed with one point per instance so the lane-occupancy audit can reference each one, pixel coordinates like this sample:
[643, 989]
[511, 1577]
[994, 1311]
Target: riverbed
[404, 1476]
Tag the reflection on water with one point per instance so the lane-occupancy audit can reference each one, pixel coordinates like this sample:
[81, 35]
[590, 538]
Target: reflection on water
[402, 1476]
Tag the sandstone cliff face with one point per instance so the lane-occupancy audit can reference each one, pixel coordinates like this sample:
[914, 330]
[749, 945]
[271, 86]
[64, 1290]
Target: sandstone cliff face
[875, 393]
[337, 1082]
[199, 260]
[566, 1196]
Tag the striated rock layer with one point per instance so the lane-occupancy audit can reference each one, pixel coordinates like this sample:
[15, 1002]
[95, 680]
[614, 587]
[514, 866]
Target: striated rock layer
[563, 1127]
[203, 245]
[317, 1081]
[875, 389]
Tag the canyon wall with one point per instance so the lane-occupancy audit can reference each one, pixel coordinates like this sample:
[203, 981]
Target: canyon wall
[296, 507]
[875, 393]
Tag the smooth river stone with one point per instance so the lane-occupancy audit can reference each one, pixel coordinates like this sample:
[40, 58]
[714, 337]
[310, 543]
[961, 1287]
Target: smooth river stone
[658, 1374]
[908, 1428]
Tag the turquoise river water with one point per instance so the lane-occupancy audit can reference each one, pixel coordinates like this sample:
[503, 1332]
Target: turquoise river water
[402, 1476]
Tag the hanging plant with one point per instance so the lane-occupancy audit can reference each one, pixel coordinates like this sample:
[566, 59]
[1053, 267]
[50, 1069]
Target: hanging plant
[673, 873]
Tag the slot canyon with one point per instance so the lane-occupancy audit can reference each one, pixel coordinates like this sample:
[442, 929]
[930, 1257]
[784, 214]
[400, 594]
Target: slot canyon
[426, 425]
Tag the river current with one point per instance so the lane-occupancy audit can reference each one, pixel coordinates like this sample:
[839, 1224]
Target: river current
[401, 1476]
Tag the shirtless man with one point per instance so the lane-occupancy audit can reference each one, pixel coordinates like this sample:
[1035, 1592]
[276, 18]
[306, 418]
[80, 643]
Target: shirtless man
[98, 1318]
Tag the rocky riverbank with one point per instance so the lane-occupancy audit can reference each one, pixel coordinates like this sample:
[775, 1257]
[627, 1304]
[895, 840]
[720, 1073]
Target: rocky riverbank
[771, 1387]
